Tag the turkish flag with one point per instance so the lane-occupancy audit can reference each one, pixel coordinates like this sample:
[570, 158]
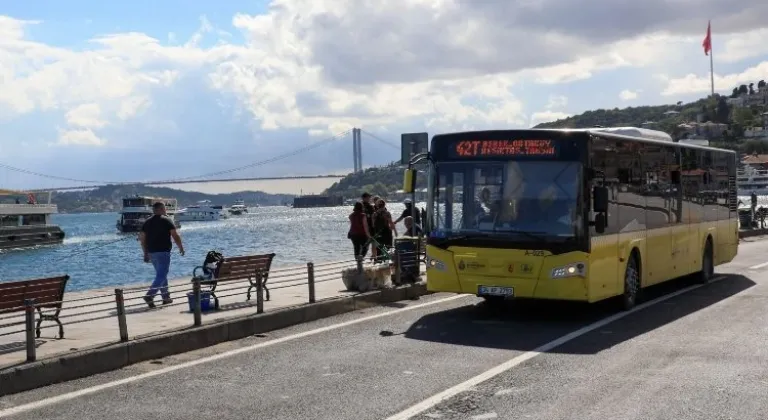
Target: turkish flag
[707, 44]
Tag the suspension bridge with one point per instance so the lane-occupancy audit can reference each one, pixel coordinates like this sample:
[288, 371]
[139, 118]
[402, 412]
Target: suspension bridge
[222, 176]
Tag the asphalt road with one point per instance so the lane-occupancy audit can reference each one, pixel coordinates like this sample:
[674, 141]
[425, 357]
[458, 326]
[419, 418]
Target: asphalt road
[699, 353]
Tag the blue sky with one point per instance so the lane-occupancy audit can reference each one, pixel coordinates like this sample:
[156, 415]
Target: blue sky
[141, 90]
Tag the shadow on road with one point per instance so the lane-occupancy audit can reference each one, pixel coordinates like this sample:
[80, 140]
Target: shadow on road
[526, 325]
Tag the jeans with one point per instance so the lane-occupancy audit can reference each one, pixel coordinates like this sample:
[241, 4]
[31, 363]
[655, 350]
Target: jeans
[162, 262]
[360, 244]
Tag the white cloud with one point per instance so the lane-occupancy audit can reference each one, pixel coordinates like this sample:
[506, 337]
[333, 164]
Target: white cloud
[325, 66]
[557, 102]
[86, 115]
[628, 95]
[547, 116]
[83, 137]
[692, 83]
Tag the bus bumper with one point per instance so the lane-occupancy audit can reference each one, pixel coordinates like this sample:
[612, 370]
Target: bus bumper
[517, 273]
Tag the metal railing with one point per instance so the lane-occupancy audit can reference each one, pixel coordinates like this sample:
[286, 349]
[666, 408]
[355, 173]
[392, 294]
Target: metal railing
[126, 301]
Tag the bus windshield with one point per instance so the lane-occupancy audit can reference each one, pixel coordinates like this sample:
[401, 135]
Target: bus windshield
[524, 200]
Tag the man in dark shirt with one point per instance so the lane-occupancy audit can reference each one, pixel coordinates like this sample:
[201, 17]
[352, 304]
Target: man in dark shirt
[408, 211]
[155, 237]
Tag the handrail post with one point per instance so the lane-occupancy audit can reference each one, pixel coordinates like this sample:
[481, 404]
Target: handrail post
[196, 302]
[311, 281]
[398, 270]
[259, 292]
[30, 327]
[122, 324]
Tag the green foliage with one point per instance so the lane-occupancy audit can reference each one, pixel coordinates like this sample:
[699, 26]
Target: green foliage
[636, 116]
[380, 181]
[109, 198]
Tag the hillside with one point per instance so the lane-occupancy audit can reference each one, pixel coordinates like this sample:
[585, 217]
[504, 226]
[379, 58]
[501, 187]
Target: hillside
[377, 181]
[715, 110]
[109, 198]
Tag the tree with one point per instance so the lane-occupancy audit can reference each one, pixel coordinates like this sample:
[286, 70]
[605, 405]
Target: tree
[751, 88]
[722, 111]
[735, 93]
[761, 84]
[743, 89]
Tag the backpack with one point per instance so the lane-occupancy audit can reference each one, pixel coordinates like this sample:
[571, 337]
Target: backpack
[211, 264]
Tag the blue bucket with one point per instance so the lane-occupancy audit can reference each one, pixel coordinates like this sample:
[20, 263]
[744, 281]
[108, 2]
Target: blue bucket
[205, 301]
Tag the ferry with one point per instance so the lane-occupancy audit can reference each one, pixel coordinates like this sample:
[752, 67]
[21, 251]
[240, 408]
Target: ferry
[203, 211]
[29, 224]
[137, 209]
[238, 208]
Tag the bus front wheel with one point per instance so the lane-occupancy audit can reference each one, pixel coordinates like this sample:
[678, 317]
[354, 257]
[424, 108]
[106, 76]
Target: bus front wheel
[631, 284]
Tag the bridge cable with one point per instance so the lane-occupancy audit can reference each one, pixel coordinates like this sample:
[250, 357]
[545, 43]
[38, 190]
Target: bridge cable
[187, 179]
[375, 137]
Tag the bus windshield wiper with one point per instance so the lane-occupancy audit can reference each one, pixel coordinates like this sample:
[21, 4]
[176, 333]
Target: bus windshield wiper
[532, 235]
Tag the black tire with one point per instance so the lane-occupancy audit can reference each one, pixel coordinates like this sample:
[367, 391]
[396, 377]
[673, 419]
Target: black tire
[494, 301]
[707, 264]
[631, 284]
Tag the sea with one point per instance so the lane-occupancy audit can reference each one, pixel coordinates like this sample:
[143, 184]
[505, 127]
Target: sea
[95, 255]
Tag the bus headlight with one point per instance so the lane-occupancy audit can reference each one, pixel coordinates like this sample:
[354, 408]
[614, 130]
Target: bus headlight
[435, 264]
[577, 269]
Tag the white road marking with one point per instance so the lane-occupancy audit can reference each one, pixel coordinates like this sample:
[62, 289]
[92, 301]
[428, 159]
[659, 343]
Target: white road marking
[755, 267]
[87, 391]
[509, 364]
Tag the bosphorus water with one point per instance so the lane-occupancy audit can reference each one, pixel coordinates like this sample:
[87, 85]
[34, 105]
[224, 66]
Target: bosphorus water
[94, 256]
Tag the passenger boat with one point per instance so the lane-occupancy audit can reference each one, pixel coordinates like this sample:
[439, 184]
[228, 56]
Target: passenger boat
[137, 209]
[203, 211]
[29, 224]
[238, 208]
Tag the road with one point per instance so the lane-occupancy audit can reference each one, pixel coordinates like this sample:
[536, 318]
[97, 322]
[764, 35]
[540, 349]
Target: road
[690, 353]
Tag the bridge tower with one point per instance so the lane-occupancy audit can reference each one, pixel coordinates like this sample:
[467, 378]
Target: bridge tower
[357, 150]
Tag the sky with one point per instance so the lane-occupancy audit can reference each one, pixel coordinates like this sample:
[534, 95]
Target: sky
[140, 90]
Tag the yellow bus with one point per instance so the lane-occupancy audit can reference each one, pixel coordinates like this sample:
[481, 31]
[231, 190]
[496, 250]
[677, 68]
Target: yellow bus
[579, 215]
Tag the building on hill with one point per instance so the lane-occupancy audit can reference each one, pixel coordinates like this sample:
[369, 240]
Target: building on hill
[760, 133]
[708, 130]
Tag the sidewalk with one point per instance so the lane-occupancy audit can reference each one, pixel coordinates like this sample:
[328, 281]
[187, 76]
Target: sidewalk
[288, 287]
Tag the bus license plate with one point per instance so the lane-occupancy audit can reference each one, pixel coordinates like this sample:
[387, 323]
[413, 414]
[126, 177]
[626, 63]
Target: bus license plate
[495, 291]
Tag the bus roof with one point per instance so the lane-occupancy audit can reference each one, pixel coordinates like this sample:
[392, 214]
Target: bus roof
[621, 133]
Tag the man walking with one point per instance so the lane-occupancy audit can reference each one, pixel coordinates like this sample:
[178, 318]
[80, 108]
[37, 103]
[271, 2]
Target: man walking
[155, 237]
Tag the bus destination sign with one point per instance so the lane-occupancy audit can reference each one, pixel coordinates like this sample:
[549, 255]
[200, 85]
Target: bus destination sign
[505, 148]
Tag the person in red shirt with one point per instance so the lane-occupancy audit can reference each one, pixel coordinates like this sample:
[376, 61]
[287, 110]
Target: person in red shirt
[359, 233]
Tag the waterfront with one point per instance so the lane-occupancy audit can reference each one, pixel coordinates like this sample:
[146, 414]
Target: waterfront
[93, 258]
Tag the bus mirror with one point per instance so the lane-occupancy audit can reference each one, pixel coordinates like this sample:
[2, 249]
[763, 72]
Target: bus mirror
[409, 181]
[600, 222]
[600, 199]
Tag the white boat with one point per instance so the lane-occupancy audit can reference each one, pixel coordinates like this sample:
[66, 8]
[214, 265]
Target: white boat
[750, 179]
[137, 209]
[24, 225]
[238, 208]
[203, 211]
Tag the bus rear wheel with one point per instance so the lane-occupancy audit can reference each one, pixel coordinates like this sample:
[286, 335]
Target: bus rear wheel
[707, 264]
[631, 284]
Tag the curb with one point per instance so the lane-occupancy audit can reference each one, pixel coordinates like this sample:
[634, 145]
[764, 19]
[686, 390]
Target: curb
[752, 232]
[111, 357]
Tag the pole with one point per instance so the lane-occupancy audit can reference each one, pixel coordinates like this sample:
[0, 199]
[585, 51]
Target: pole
[121, 322]
[711, 60]
[196, 309]
[711, 72]
[30, 327]
[311, 281]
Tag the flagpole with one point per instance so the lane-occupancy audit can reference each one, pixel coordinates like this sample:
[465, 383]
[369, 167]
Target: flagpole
[711, 62]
